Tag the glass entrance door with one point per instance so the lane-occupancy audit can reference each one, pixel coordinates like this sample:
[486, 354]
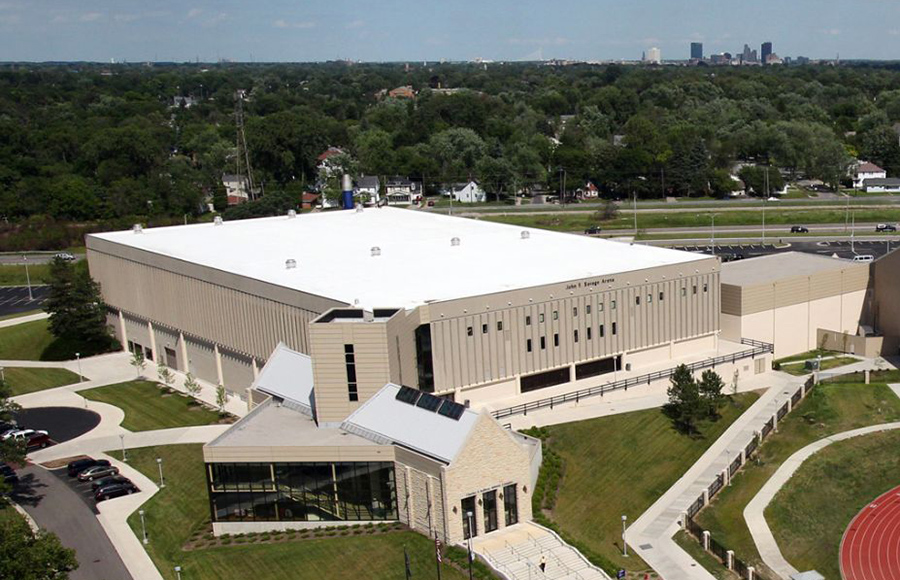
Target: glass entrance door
[470, 527]
[490, 510]
[510, 504]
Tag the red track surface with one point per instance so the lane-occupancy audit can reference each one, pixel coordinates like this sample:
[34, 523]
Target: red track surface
[870, 549]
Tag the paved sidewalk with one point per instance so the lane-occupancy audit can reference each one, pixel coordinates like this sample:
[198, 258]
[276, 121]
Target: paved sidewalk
[23, 319]
[754, 512]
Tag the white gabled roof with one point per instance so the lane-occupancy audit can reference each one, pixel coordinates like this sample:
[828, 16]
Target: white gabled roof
[384, 419]
[288, 375]
[416, 265]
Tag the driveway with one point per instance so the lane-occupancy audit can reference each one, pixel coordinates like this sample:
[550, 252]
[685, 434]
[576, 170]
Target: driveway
[58, 508]
[62, 423]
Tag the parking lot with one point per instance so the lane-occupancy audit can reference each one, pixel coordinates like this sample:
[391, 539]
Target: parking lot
[842, 249]
[14, 299]
[61, 423]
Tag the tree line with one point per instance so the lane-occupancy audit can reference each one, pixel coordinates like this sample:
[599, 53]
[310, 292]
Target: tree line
[83, 142]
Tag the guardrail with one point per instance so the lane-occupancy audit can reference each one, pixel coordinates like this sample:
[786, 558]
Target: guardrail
[600, 390]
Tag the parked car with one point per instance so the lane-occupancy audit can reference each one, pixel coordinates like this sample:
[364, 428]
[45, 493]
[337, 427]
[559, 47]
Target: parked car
[863, 258]
[592, 230]
[430, 203]
[97, 471]
[115, 490]
[799, 230]
[22, 434]
[79, 465]
[885, 228]
[8, 474]
[65, 256]
[108, 480]
[38, 440]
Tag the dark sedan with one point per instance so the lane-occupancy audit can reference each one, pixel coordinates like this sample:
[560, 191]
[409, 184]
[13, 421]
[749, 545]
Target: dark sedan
[115, 490]
[799, 230]
[79, 465]
[109, 480]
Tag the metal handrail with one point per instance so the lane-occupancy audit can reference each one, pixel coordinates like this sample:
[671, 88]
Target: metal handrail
[758, 348]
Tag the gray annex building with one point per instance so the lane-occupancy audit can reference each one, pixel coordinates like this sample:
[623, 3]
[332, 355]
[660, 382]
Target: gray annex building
[475, 311]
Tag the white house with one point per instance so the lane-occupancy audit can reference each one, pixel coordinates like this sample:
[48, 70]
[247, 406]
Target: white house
[368, 188]
[883, 185]
[469, 192]
[866, 170]
[401, 191]
[589, 191]
[237, 189]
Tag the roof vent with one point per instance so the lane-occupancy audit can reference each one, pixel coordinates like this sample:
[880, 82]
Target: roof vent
[526, 234]
[454, 241]
[359, 209]
[376, 251]
[218, 220]
[292, 213]
[137, 228]
[290, 264]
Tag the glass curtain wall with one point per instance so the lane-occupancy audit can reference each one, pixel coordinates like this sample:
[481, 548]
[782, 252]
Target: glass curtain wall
[302, 491]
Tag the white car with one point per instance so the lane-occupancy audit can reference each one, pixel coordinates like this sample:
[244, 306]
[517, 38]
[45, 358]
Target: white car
[773, 199]
[65, 256]
[22, 434]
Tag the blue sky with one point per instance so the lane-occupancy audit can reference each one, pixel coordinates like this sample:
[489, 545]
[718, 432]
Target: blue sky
[401, 30]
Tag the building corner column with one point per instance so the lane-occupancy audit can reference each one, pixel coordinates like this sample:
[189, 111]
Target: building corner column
[153, 342]
[218, 365]
[184, 353]
[123, 331]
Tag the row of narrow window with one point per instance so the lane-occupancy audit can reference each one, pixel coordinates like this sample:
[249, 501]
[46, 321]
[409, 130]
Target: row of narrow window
[588, 336]
[612, 306]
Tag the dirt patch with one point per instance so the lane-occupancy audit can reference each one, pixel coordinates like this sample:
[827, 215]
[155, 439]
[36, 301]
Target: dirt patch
[204, 538]
[57, 463]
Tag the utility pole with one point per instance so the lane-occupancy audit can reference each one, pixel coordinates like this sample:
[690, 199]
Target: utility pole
[765, 202]
[634, 211]
[852, 232]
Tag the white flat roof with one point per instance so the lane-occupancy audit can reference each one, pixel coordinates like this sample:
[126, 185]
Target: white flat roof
[417, 263]
[288, 374]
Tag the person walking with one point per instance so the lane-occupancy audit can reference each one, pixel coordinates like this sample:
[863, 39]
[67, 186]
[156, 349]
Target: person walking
[543, 563]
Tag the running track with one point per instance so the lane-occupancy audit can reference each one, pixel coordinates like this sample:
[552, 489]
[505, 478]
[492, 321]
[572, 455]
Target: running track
[870, 549]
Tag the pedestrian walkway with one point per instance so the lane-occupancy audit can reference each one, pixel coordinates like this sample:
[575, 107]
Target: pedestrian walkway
[754, 512]
[517, 552]
[23, 319]
[651, 534]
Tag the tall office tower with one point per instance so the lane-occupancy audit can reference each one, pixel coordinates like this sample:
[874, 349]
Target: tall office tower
[696, 51]
[653, 56]
[766, 51]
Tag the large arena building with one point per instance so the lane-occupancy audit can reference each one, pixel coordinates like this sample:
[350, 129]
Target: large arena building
[474, 310]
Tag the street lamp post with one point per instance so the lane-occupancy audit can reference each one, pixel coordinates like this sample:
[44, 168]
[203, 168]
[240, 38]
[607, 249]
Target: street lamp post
[143, 526]
[2, 374]
[162, 482]
[713, 216]
[178, 572]
[624, 544]
[469, 517]
[28, 279]
[78, 358]
[122, 439]
[765, 202]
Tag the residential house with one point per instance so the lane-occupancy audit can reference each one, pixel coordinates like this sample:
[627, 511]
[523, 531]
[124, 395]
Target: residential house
[882, 185]
[368, 189]
[401, 191]
[867, 170]
[469, 192]
[309, 200]
[186, 102]
[406, 92]
[589, 191]
[237, 188]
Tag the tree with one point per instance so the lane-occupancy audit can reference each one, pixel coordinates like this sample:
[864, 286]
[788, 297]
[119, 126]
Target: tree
[138, 361]
[59, 297]
[76, 308]
[191, 385]
[685, 407]
[29, 555]
[165, 374]
[10, 450]
[710, 387]
[608, 212]
[221, 398]
[458, 151]
[755, 179]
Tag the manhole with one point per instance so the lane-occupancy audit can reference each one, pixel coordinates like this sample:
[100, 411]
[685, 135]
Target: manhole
[645, 547]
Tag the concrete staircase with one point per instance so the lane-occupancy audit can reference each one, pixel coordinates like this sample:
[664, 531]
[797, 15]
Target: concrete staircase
[516, 553]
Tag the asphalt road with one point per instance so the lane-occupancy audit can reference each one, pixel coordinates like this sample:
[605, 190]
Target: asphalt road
[59, 508]
[62, 423]
[14, 299]
[33, 257]
[843, 249]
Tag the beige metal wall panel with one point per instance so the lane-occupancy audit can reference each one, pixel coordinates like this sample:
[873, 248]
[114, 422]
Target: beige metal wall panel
[276, 453]
[731, 327]
[885, 315]
[489, 355]
[791, 291]
[237, 371]
[757, 298]
[856, 277]
[137, 331]
[202, 360]
[166, 338]
[826, 284]
[244, 315]
[853, 310]
[731, 299]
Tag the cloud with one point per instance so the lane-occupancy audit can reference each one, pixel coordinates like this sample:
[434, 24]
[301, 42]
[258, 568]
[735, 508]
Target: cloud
[90, 17]
[10, 19]
[832, 31]
[140, 16]
[302, 25]
[215, 19]
[355, 24]
[194, 12]
[545, 41]
[894, 32]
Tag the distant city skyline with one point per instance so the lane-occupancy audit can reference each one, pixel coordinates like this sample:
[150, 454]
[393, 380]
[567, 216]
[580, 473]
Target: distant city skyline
[406, 30]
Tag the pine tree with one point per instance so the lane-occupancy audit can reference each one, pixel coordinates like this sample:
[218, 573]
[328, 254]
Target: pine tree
[685, 407]
[710, 387]
[59, 301]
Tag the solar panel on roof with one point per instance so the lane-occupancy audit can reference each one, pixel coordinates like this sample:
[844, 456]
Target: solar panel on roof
[408, 395]
[451, 410]
[429, 402]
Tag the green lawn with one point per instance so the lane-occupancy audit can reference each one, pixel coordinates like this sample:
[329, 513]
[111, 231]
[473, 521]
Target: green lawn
[701, 220]
[799, 368]
[810, 354]
[830, 408]
[148, 407]
[620, 465]
[33, 341]
[21, 314]
[14, 274]
[174, 514]
[809, 515]
[25, 380]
